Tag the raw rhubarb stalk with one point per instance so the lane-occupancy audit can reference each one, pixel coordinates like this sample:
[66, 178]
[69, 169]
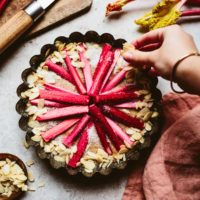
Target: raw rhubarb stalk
[190, 13]
[116, 57]
[58, 129]
[115, 80]
[97, 81]
[105, 50]
[57, 88]
[131, 104]
[3, 5]
[96, 113]
[86, 69]
[59, 70]
[81, 146]
[122, 117]
[115, 97]
[64, 97]
[116, 6]
[102, 138]
[121, 134]
[76, 131]
[196, 2]
[48, 103]
[63, 112]
[122, 89]
[75, 76]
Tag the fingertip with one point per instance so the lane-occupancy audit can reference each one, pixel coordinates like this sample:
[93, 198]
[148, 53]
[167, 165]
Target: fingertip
[128, 56]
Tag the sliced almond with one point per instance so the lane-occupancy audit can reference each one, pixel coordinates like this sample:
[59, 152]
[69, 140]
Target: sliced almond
[31, 176]
[30, 162]
[42, 184]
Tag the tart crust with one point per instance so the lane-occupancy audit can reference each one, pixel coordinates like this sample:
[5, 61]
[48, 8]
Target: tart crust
[131, 154]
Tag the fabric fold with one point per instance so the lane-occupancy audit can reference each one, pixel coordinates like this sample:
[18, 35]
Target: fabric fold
[172, 171]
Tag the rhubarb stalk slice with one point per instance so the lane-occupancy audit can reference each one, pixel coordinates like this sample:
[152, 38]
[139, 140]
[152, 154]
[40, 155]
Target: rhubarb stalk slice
[115, 80]
[75, 76]
[48, 103]
[122, 117]
[102, 138]
[86, 69]
[122, 89]
[58, 129]
[82, 144]
[76, 131]
[96, 113]
[63, 112]
[97, 81]
[115, 97]
[59, 70]
[57, 88]
[131, 104]
[105, 50]
[121, 134]
[116, 57]
[64, 97]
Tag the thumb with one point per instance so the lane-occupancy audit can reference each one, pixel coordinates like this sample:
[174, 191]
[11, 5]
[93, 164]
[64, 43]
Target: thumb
[140, 57]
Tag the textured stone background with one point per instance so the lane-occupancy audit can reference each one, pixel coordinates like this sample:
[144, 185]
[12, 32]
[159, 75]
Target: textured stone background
[58, 184]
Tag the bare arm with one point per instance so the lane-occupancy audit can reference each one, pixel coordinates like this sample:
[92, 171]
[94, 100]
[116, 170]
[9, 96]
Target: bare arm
[165, 47]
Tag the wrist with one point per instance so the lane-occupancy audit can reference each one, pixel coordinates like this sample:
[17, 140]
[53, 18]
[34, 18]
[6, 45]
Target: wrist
[188, 73]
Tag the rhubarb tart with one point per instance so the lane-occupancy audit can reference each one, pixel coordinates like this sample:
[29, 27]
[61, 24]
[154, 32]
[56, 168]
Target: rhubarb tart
[84, 108]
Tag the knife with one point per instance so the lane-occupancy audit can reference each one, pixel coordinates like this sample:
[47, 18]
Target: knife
[21, 22]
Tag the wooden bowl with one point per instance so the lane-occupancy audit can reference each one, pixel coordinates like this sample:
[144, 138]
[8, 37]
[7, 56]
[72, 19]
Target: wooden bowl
[3, 156]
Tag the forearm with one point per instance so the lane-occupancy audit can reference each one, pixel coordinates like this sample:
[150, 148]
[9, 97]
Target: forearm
[188, 75]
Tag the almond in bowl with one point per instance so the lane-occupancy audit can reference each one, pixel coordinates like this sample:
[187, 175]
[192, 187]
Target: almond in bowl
[13, 177]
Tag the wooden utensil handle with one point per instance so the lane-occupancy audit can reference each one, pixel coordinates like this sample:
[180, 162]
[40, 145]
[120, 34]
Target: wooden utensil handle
[14, 28]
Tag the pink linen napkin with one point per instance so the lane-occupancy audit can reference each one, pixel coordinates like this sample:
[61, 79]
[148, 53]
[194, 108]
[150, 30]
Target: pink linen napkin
[172, 171]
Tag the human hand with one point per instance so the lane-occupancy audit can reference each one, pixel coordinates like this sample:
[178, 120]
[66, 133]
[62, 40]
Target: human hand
[161, 49]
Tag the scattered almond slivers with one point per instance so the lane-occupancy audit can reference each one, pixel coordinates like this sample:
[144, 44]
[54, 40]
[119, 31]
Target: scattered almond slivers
[42, 184]
[30, 162]
[31, 176]
[12, 178]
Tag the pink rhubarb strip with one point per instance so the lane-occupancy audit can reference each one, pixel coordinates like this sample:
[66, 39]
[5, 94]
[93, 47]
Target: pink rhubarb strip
[97, 81]
[102, 137]
[105, 50]
[63, 112]
[58, 129]
[64, 97]
[96, 113]
[59, 70]
[48, 103]
[86, 69]
[49, 86]
[115, 97]
[122, 117]
[121, 89]
[115, 80]
[82, 144]
[131, 104]
[116, 58]
[121, 134]
[3, 5]
[76, 131]
[74, 74]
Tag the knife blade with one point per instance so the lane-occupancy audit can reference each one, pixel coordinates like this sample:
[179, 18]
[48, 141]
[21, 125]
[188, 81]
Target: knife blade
[45, 3]
[21, 22]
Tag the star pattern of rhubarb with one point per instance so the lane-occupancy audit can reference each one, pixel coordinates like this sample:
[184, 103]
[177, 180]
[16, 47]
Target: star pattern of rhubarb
[96, 103]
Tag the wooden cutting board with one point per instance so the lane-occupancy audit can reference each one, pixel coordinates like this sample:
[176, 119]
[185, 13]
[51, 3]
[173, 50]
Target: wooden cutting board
[59, 12]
